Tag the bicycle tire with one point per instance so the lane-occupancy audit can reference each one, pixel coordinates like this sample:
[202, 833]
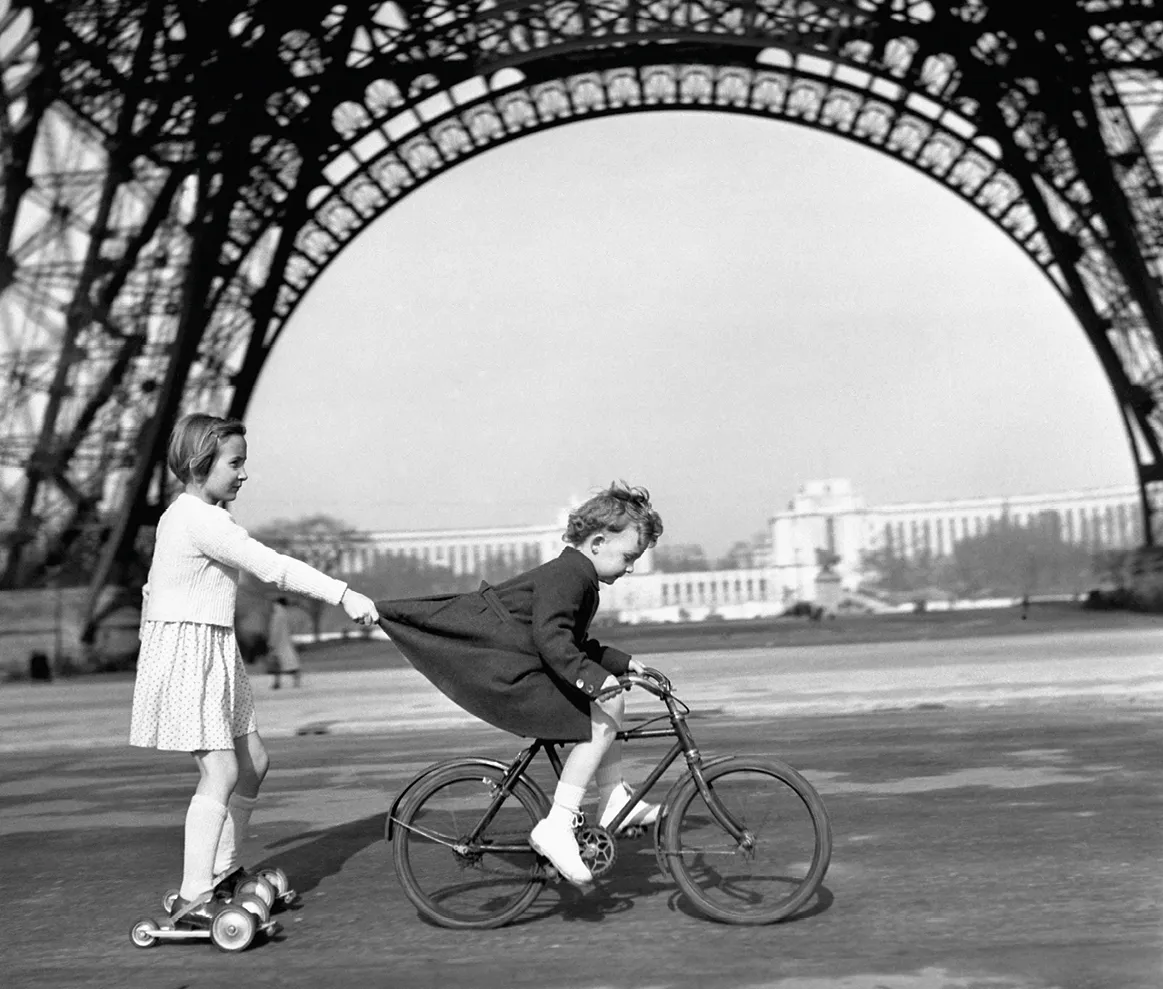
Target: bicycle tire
[697, 846]
[473, 888]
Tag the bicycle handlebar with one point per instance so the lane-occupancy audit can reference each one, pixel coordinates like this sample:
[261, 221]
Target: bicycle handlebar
[651, 680]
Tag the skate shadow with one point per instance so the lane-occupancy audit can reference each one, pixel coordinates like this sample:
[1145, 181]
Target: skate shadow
[313, 856]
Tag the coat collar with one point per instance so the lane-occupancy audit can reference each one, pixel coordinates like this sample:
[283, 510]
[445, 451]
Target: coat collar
[580, 562]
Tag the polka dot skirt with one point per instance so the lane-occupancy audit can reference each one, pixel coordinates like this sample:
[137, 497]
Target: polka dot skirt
[192, 690]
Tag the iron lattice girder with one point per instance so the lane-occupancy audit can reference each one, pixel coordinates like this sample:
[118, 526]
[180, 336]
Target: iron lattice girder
[306, 121]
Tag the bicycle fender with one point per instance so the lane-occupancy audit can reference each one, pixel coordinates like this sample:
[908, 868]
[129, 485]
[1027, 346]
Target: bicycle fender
[668, 802]
[389, 827]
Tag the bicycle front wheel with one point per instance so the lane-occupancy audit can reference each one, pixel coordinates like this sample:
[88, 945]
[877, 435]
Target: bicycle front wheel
[777, 864]
[458, 880]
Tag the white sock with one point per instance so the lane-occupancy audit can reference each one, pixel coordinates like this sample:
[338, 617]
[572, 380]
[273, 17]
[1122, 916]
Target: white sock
[238, 812]
[567, 801]
[204, 822]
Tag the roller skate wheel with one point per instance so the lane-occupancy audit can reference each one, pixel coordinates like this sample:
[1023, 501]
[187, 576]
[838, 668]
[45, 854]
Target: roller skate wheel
[233, 928]
[278, 880]
[256, 886]
[144, 933]
[256, 906]
[168, 899]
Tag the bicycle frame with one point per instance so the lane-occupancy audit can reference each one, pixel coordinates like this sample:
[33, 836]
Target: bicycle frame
[450, 795]
[684, 745]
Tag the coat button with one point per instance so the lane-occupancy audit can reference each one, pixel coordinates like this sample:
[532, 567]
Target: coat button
[581, 683]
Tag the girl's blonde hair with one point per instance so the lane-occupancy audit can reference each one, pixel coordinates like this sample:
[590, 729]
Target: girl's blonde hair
[612, 510]
[194, 444]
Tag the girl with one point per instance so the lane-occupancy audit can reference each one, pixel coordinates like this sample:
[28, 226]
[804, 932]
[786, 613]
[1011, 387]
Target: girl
[192, 692]
[518, 656]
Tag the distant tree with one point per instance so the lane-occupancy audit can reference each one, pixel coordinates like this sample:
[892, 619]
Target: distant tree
[392, 576]
[1013, 560]
[886, 570]
[680, 557]
[1007, 559]
[743, 554]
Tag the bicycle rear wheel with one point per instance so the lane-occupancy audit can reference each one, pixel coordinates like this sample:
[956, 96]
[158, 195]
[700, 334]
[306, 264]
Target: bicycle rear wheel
[779, 863]
[455, 882]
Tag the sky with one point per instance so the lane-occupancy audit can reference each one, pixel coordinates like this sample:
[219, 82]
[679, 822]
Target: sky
[719, 308]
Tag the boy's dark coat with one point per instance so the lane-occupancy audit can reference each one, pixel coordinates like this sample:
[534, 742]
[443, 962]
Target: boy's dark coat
[515, 655]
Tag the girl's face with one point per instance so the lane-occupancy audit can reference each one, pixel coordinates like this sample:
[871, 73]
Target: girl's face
[613, 554]
[226, 475]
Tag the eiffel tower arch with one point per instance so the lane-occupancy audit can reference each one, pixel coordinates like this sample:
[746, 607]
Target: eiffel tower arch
[176, 174]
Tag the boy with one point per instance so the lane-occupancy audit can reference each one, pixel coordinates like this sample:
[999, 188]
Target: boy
[519, 657]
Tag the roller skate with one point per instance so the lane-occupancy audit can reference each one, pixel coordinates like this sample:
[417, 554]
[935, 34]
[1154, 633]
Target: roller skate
[229, 926]
[266, 887]
[268, 884]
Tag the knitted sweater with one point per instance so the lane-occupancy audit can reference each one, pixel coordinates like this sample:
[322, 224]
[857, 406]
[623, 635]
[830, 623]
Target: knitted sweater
[198, 553]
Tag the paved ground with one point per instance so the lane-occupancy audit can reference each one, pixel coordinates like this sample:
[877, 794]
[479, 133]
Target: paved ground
[996, 808]
[1118, 665]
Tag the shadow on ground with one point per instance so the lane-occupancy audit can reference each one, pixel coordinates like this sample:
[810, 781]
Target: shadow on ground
[312, 857]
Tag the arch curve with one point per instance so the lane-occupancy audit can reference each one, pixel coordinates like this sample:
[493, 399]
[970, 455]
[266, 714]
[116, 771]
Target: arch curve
[404, 158]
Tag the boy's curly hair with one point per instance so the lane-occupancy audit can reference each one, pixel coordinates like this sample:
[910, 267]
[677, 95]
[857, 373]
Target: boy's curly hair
[615, 508]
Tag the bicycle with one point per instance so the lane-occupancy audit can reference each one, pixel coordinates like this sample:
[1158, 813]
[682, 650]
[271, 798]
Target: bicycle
[459, 830]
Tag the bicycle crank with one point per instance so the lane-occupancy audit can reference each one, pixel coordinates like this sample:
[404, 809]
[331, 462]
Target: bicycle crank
[598, 849]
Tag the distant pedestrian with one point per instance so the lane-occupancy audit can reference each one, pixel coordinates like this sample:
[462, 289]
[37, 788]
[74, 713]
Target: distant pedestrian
[192, 693]
[282, 654]
[519, 656]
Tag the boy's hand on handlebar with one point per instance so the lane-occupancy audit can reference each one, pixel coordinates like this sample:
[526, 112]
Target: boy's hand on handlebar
[359, 608]
[636, 667]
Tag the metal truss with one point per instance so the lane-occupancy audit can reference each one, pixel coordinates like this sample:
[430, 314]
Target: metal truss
[175, 175]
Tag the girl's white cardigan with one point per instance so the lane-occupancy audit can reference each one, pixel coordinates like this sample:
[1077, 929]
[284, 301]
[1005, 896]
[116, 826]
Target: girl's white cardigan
[197, 557]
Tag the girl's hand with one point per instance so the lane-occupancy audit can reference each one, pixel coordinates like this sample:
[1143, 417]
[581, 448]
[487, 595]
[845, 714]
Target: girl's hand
[359, 608]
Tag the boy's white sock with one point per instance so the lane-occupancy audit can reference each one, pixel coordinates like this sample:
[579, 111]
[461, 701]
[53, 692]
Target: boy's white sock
[204, 822]
[238, 812]
[567, 801]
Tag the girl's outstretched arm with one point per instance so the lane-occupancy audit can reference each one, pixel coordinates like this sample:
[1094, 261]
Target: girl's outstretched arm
[219, 537]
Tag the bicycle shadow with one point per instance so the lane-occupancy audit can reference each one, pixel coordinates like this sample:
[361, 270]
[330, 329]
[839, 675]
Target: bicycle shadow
[313, 856]
[634, 877]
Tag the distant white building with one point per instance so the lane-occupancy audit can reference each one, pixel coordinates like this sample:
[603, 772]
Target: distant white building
[459, 550]
[694, 596]
[826, 517]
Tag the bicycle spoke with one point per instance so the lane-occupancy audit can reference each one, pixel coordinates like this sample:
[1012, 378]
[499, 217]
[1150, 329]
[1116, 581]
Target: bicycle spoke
[771, 870]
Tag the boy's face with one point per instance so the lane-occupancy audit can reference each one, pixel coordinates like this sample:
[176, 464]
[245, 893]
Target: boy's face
[613, 554]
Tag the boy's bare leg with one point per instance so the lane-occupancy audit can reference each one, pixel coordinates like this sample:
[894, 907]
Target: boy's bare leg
[614, 793]
[553, 837]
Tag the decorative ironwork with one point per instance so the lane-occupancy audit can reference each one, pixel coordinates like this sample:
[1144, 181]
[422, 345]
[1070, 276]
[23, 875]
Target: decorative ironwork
[174, 177]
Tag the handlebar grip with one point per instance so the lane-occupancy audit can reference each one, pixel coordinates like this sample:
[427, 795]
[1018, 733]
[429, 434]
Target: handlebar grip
[612, 691]
[663, 680]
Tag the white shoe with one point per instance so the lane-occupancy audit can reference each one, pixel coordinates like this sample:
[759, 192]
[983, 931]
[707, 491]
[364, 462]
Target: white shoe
[643, 813]
[557, 843]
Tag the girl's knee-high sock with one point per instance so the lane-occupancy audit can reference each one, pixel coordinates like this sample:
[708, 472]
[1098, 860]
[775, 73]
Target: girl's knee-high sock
[204, 822]
[238, 812]
[567, 801]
